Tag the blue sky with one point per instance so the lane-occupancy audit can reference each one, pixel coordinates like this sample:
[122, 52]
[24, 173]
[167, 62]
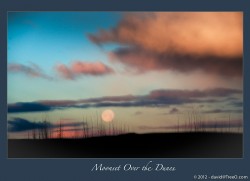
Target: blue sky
[49, 37]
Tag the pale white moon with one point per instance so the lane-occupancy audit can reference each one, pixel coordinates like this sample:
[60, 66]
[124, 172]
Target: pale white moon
[108, 115]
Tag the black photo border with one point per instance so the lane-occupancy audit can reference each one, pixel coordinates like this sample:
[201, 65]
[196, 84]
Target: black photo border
[80, 169]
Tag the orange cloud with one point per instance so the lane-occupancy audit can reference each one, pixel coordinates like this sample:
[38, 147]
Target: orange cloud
[212, 33]
[180, 41]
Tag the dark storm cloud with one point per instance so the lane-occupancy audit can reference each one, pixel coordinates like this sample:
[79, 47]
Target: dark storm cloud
[156, 98]
[208, 41]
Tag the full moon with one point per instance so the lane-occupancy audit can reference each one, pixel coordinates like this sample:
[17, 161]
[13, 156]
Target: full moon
[108, 115]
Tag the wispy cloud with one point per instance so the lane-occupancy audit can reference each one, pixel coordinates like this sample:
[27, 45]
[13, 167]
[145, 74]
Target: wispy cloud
[32, 71]
[79, 68]
[19, 124]
[154, 98]
[208, 41]
[75, 70]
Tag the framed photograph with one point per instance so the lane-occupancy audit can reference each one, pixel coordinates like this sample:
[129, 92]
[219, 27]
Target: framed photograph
[123, 90]
[125, 84]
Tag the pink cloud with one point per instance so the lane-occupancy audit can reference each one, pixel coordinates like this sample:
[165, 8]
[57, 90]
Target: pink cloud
[65, 72]
[78, 68]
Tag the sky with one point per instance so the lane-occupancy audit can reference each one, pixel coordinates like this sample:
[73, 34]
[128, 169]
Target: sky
[156, 71]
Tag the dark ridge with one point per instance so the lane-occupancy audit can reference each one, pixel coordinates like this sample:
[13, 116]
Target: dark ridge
[153, 145]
